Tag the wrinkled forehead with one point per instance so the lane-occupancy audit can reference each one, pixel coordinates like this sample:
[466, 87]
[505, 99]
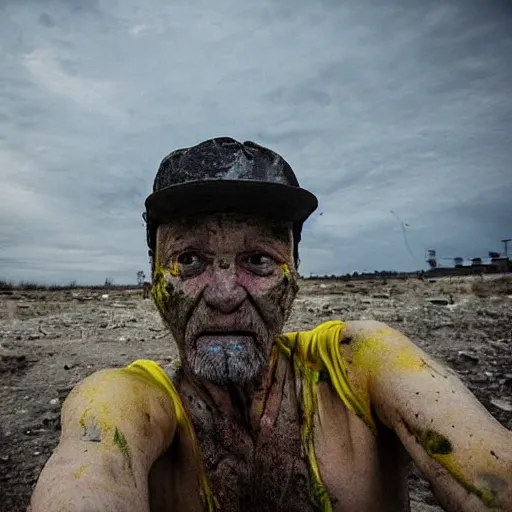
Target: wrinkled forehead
[225, 233]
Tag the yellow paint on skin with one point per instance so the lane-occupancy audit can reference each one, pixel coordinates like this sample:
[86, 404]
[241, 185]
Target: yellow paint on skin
[98, 410]
[258, 408]
[374, 354]
[159, 289]
[82, 421]
[98, 413]
[319, 350]
[175, 269]
[286, 271]
[79, 472]
[450, 464]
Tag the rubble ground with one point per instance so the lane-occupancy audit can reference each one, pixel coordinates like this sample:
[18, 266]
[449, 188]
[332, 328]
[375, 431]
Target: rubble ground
[50, 340]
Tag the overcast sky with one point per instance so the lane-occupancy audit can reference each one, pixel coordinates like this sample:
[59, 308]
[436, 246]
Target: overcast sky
[390, 111]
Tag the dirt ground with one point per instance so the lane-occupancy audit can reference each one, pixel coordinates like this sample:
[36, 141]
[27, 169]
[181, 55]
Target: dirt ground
[51, 340]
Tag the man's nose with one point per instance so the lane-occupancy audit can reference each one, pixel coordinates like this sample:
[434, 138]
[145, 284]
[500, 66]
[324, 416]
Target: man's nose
[224, 293]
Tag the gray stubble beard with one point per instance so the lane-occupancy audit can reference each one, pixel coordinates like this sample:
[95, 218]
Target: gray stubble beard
[228, 366]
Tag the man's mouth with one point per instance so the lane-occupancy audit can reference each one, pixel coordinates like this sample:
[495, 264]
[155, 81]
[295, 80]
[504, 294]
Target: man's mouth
[231, 341]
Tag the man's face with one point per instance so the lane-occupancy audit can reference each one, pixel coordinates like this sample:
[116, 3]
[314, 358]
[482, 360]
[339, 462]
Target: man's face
[224, 285]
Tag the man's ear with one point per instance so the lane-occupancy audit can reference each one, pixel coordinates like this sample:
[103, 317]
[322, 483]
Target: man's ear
[294, 249]
[151, 262]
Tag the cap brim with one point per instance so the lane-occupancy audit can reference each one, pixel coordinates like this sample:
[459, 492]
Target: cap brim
[273, 200]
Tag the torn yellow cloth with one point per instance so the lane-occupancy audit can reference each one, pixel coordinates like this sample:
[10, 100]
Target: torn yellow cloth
[318, 351]
[312, 354]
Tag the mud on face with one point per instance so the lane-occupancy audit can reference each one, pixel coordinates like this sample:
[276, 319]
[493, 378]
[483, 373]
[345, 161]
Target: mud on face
[224, 285]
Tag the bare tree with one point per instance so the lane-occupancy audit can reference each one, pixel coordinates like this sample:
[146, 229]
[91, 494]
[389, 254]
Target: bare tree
[140, 277]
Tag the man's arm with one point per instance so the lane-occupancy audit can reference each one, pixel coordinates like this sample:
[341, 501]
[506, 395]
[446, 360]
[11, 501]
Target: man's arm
[114, 426]
[461, 449]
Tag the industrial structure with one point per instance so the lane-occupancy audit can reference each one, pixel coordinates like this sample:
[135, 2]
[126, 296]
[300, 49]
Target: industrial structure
[496, 263]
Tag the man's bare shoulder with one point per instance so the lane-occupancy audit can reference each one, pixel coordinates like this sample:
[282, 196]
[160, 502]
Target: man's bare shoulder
[115, 424]
[139, 397]
[374, 349]
[115, 391]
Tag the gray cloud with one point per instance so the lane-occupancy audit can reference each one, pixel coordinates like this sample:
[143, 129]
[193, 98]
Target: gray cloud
[379, 107]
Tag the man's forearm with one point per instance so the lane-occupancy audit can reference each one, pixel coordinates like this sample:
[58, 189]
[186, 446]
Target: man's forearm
[89, 482]
[458, 445]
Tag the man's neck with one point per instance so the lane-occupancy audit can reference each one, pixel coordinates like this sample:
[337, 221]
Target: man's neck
[243, 403]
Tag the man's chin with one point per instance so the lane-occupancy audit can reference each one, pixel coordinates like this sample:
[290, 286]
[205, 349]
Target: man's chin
[223, 360]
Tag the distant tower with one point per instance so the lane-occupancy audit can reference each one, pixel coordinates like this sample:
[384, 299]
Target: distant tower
[431, 258]
[505, 246]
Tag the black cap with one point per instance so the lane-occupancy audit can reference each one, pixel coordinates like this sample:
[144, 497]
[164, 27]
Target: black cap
[223, 175]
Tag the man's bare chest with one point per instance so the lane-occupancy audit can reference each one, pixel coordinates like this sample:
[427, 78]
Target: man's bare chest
[263, 470]
[268, 467]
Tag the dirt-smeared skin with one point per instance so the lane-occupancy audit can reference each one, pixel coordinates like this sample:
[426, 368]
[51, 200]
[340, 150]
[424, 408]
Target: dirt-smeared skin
[449, 434]
[435, 443]
[249, 427]
[246, 457]
[249, 430]
[188, 299]
[263, 467]
[254, 468]
[122, 444]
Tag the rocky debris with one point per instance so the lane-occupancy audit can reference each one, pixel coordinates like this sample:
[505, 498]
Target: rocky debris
[501, 404]
[438, 301]
[507, 380]
[85, 298]
[468, 356]
[77, 337]
[14, 363]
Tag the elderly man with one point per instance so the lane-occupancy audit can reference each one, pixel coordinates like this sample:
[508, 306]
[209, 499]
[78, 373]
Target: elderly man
[254, 419]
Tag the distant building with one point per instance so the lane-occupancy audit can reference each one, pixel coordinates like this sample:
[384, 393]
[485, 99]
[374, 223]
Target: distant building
[458, 261]
[501, 263]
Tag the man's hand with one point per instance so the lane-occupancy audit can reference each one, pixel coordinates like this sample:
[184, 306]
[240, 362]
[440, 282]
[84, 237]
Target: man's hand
[464, 452]
[114, 427]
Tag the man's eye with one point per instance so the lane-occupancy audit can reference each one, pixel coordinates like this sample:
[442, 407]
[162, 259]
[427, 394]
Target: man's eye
[260, 260]
[189, 259]
[261, 264]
